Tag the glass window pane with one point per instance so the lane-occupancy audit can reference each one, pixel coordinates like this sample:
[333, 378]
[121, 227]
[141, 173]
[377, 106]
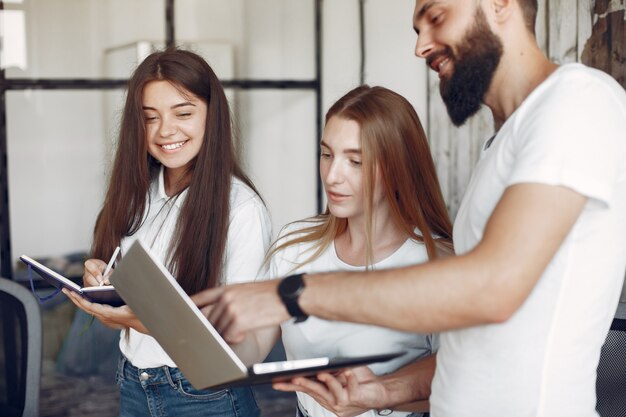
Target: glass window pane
[57, 162]
[269, 39]
[70, 38]
[277, 142]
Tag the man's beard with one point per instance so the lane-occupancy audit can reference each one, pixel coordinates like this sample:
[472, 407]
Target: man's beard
[475, 63]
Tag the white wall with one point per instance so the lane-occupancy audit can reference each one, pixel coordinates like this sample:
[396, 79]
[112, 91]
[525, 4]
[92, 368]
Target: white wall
[58, 139]
[389, 45]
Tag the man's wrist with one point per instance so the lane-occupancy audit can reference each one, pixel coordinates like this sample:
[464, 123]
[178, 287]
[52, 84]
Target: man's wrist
[289, 290]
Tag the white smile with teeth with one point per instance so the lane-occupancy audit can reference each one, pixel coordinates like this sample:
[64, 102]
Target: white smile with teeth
[442, 63]
[172, 146]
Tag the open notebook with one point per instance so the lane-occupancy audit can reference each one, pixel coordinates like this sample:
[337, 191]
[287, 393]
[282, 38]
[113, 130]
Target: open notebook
[103, 295]
[188, 337]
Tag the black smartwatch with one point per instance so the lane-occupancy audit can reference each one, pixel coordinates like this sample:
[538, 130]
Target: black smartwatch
[289, 291]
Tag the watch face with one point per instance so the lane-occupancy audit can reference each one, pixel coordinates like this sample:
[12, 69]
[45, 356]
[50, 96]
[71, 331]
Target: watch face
[291, 285]
[289, 290]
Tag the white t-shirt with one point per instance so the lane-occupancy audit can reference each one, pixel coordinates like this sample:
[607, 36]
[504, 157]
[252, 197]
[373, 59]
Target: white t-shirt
[317, 337]
[570, 131]
[249, 234]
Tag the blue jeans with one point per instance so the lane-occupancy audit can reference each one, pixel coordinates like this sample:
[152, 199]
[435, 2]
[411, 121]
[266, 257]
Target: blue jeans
[164, 391]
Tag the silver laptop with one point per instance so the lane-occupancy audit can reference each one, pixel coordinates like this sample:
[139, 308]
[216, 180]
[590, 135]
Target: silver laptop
[205, 359]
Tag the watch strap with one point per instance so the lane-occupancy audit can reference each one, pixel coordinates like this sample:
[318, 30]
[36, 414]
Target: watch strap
[290, 300]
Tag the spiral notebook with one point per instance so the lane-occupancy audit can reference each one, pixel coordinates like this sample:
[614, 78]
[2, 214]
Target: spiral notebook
[198, 350]
[103, 295]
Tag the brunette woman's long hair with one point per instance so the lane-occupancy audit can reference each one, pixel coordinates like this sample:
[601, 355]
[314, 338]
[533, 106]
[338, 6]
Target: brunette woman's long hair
[394, 143]
[197, 250]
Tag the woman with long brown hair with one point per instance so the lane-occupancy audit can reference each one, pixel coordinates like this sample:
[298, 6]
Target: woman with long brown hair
[385, 210]
[176, 185]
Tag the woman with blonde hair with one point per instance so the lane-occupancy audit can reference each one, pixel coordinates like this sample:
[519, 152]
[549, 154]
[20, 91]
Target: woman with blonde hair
[385, 210]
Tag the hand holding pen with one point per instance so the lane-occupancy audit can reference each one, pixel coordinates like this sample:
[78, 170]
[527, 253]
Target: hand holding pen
[109, 265]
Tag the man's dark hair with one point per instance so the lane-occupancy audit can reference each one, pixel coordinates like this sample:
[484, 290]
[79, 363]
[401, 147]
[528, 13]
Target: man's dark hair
[529, 10]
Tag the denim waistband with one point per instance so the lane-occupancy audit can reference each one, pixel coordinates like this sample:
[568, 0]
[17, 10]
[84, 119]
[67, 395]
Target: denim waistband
[148, 376]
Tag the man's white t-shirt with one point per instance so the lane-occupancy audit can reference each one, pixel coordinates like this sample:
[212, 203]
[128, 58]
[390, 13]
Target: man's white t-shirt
[249, 234]
[317, 337]
[571, 132]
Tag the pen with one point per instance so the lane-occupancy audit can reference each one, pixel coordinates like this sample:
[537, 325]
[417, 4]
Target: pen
[110, 265]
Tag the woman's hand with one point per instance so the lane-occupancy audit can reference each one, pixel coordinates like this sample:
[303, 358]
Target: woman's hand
[94, 268]
[347, 394]
[113, 317]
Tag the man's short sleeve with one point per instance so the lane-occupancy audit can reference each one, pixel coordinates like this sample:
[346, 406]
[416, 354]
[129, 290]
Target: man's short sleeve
[573, 136]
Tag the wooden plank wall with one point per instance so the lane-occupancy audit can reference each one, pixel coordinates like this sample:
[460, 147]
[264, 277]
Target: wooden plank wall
[563, 30]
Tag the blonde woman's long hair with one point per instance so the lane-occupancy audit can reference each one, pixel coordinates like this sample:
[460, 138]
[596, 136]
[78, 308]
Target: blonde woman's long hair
[392, 141]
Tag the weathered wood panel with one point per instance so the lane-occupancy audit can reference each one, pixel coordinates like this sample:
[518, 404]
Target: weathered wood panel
[541, 31]
[585, 23]
[455, 150]
[605, 45]
[563, 31]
